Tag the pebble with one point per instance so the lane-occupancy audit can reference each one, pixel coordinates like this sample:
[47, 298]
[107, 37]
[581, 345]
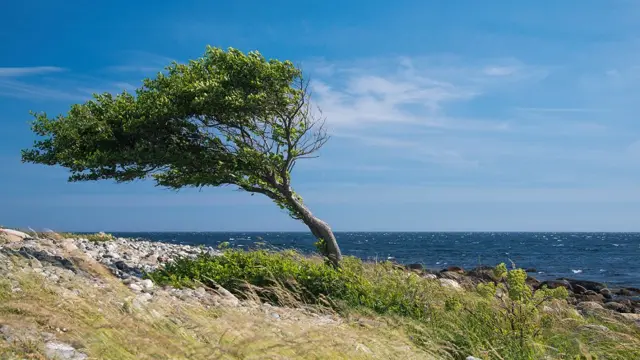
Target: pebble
[62, 351]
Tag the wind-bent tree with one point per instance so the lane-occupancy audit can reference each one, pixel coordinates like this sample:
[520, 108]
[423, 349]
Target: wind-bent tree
[227, 118]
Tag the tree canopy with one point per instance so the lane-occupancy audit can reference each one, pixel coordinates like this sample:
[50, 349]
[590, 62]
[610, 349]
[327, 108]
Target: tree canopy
[226, 118]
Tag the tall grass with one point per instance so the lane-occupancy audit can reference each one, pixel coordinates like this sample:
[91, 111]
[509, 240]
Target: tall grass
[501, 320]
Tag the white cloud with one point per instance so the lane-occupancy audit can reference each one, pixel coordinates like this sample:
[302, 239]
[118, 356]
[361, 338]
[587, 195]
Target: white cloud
[500, 70]
[25, 71]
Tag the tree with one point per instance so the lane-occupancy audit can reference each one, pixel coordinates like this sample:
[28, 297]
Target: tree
[226, 118]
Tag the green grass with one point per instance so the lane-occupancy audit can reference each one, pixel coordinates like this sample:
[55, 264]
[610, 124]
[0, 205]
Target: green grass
[96, 237]
[518, 324]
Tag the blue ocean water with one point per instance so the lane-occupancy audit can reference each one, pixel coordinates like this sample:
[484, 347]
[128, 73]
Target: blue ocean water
[613, 258]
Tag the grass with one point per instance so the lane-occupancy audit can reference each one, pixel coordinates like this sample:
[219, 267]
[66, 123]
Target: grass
[450, 324]
[104, 322]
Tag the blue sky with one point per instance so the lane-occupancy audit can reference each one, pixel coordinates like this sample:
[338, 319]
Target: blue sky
[456, 115]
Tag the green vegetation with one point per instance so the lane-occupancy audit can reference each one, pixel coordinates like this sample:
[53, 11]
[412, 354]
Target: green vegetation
[97, 237]
[110, 322]
[501, 320]
[227, 118]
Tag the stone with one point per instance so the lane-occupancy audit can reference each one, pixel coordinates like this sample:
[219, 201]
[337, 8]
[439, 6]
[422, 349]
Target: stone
[141, 300]
[589, 285]
[606, 293]
[13, 235]
[482, 273]
[456, 269]
[201, 291]
[472, 358]
[451, 275]
[589, 306]
[227, 298]
[617, 307]
[579, 289]
[363, 348]
[69, 245]
[592, 297]
[62, 351]
[531, 270]
[275, 315]
[135, 287]
[430, 276]
[633, 317]
[415, 267]
[146, 284]
[552, 284]
[450, 283]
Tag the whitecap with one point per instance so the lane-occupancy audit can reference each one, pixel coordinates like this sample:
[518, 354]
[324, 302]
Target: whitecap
[576, 271]
[602, 270]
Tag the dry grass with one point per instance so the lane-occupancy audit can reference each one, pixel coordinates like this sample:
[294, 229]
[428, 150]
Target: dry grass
[103, 322]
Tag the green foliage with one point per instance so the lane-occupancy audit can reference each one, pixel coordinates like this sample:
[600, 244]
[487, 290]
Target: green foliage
[226, 118]
[310, 280]
[224, 245]
[518, 319]
[502, 320]
[500, 271]
[95, 237]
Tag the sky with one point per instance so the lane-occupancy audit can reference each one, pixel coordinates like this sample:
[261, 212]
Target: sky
[454, 115]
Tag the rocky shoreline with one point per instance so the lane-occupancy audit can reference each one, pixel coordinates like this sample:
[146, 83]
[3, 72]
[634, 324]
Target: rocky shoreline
[128, 259]
[583, 294]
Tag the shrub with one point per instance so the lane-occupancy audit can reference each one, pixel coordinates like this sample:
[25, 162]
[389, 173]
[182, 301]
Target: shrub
[501, 320]
[380, 287]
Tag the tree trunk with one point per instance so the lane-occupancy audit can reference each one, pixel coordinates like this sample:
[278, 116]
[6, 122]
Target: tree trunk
[320, 229]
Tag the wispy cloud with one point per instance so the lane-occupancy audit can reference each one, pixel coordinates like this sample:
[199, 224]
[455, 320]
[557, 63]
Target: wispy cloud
[137, 61]
[25, 71]
[499, 70]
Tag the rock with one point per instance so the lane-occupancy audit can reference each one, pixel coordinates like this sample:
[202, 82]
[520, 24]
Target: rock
[589, 306]
[455, 269]
[592, 297]
[624, 292]
[228, 298]
[531, 270]
[451, 275]
[13, 235]
[482, 273]
[430, 276]
[606, 293]
[415, 267]
[135, 287]
[579, 289]
[617, 307]
[142, 300]
[275, 315]
[69, 245]
[552, 284]
[633, 317]
[532, 282]
[146, 284]
[450, 283]
[62, 351]
[201, 291]
[363, 348]
[589, 285]
[472, 358]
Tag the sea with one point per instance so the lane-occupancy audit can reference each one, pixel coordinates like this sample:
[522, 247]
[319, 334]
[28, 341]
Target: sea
[612, 258]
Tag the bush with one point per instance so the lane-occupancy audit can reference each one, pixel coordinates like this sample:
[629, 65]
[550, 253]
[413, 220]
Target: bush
[381, 288]
[501, 320]
[97, 237]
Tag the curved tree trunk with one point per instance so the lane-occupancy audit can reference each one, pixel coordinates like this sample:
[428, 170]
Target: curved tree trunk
[319, 229]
